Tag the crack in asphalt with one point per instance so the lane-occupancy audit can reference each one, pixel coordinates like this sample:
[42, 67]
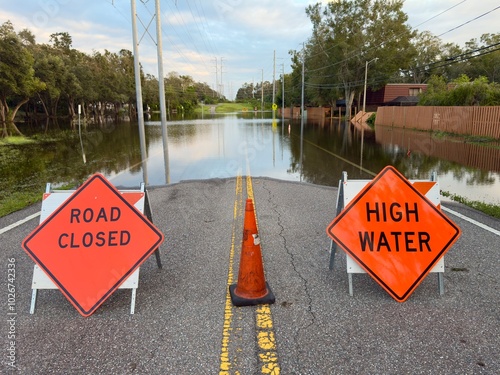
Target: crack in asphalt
[310, 311]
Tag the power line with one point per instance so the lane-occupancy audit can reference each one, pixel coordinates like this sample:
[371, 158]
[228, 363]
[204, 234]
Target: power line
[438, 64]
[359, 53]
[465, 23]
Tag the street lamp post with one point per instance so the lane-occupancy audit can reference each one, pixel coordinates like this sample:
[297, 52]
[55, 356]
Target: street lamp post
[366, 77]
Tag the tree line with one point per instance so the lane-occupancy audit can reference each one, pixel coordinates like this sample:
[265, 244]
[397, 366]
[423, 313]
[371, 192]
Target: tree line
[52, 80]
[346, 35]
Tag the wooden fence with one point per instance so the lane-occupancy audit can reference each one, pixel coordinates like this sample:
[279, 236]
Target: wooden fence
[476, 121]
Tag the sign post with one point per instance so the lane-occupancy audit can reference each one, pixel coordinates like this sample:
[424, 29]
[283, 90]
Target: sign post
[92, 243]
[393, 232]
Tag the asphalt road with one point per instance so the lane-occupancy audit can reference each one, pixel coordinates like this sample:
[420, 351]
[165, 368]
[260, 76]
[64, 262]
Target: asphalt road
[183, 323]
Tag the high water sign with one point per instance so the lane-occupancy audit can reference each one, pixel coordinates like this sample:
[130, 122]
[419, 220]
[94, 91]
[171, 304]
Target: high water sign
[394, 233]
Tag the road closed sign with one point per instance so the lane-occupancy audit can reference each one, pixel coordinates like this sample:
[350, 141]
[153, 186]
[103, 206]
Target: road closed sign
[92, 243]
[394, 233]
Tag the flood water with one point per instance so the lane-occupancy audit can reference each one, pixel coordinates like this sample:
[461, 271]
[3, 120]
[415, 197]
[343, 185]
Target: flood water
[223, 146]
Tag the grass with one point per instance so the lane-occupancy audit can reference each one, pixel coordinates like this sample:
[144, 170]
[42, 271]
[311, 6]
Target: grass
[226, 107]
[488, 209]
[16, 201]
[466, 138]
[233, 107]
[15, 140]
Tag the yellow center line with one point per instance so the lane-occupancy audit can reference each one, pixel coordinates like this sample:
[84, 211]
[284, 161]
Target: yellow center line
[268, 355]
[225, 361]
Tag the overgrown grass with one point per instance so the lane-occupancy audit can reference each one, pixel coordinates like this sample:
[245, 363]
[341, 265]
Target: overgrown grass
[488, 209]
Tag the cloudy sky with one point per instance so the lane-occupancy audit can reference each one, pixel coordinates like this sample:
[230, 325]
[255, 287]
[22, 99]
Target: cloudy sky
[235, 37]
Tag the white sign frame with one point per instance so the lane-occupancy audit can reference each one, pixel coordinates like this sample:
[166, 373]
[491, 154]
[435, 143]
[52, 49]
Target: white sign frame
[49, 205]
[347, 190]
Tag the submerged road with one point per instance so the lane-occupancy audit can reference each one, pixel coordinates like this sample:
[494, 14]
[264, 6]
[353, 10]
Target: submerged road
[184, 322]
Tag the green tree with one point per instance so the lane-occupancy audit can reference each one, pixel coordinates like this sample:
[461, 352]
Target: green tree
[17, 77]
[428, 50]
[245, 92]
[347, 34]
[150, 92]
[293, 90]
[288, 90]
[449, 66]
[484, 57]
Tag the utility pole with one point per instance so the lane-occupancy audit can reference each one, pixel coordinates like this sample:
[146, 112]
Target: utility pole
[221, 84]
[302, 114]
[262, 94]
[163, 112]
[274, 84]
[138, 93]
[216, 87]
[282, 92]
[302, 96]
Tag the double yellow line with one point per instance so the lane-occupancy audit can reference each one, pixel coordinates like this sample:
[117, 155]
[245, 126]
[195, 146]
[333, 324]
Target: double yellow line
[264, 329]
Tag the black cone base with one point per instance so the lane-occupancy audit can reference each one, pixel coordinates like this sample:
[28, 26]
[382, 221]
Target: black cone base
[240, 301]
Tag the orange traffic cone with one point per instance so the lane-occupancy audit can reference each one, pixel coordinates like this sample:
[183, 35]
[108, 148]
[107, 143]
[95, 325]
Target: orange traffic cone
[252, 288]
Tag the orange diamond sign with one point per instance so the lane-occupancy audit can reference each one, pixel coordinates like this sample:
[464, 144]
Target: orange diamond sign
[92, 243]
[394, 233]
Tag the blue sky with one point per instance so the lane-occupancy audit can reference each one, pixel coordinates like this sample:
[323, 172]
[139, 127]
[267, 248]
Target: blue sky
[243, 33]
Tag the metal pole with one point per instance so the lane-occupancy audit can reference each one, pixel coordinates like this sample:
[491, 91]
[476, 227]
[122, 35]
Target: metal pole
[366, 78]
[274, 83]
[283, 93]
[80, 133]
[221, 84]
[302, 113]
[138, 93]
[302, 96]
[364, 91]
[161, 82]
[262, 95]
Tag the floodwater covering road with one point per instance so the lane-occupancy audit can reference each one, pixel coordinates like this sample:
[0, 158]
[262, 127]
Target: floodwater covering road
[220, 146]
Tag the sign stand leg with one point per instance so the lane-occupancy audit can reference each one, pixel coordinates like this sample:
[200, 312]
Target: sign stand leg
[333, 250]
[149, 214]
[440, 275]
[441, 282]
[132, 301]
[340, 207]
[34, 290]
[349, 277]
[33, 301]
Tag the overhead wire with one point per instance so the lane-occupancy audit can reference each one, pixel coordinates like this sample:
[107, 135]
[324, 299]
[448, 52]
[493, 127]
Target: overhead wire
[429, 67]
[348, 58]
[474, 19]
[175, 45]
[192, 42]
[358, 53]
[203, 18]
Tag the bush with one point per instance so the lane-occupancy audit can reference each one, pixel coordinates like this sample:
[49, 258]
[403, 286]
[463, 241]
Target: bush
[461, 92]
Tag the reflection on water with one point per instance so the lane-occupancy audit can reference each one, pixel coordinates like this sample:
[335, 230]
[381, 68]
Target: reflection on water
[246, 143]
